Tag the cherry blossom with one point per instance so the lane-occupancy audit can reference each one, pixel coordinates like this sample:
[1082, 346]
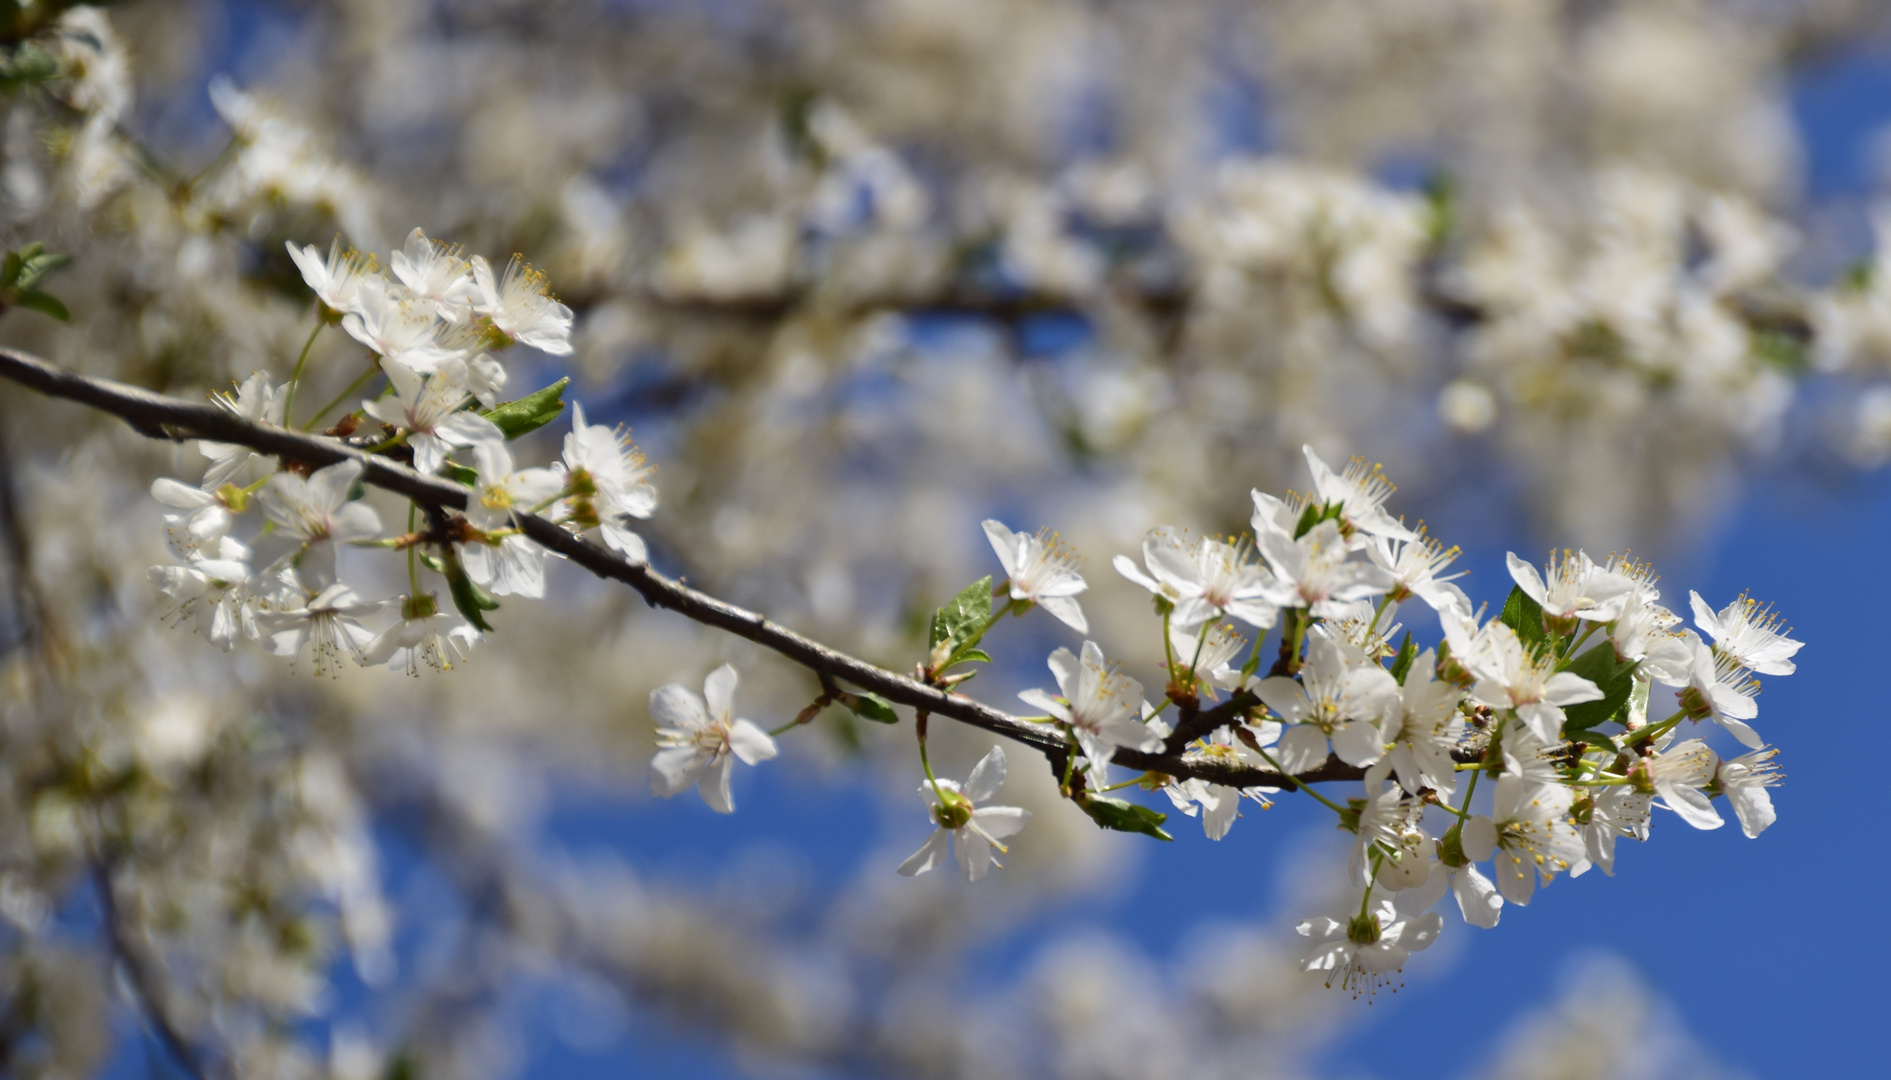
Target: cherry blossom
[970, 828]
[701, 739]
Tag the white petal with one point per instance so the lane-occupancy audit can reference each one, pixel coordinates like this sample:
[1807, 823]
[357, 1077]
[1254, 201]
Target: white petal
[714, 785]
[677, 706]
[1303, 747]
[719, 692]
[1479, 838]
[1005, 543]
[1693, 805]
[1477, 898]
[1066, 610]
[674, 769]
[1001, 821]
[987, 776]
[750, 743]
[929, 855]
[974, 853]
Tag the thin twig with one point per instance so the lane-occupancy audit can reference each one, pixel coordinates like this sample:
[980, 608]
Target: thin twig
[164, 417]
[145, 982]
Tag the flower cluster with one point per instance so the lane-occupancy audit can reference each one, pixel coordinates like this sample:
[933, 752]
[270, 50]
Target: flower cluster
[1548, 702]
[431, 331]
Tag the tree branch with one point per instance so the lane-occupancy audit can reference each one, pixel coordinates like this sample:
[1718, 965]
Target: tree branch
[144, 982]
[164, 417]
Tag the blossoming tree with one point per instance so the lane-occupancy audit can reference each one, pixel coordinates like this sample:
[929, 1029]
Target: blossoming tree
[824, 295]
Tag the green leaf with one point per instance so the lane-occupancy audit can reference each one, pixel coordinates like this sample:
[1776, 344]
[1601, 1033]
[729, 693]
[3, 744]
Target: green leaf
[432, 562]
[1614, 678]
[1525, 616]
[531, 412]
[975, 654]
[470, 599]
[35, 267]
[1402, 663]
[44, 303]
[870, 707]
[30, 63]
[1125, 816]
[460, 474]
[966, 612]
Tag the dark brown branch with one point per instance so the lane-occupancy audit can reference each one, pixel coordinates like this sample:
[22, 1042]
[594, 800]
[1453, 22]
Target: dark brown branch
[170, 418]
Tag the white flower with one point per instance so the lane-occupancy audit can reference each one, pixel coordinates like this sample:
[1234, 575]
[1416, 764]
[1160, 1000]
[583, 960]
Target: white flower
[970, 829]
[514, 566]
[1749, 633]
[1510, 676]
[1209, 653]
[1384, 820]
[1414, 565]
[502, 489]
[1330, 700]
[606, 460]
[701, 738]
[1362, 952]
[425, 635]
[1528, 757]
[1745, 780]
[1205, 579]
[386, 319]
[1644, 633]
[337, 282]
[1314, 573]
[1718, 689]
[1478, 899]
[205, 520]
[1360, 492]
[1576, 588]
[428, 409]
[1424, 728]
[1677, 774]
[256, 401]
[212, 592]
[519, 307]
[326, 627]
[1042, 570]
[1102, 706]
[1220, 804]
[1606, 814]
[317, 511]
[1527, 833]
[439, 279]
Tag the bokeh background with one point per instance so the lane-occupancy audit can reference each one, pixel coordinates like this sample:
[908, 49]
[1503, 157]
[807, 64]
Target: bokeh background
[859, 274]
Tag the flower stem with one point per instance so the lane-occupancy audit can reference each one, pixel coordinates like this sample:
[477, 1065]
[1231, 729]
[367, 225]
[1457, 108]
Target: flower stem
[372, 371]
[1298, 786]
[1654, 730]
[925, 763]
[1168, 647]
[413, 555]
[1384, 602]
[295, 377]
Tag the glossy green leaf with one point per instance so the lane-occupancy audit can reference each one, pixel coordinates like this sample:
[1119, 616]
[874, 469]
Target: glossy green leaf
[531, 412]
[1614, 678]
[959, 619]
[1125, 816]
[1525, 616]
[870, 707]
